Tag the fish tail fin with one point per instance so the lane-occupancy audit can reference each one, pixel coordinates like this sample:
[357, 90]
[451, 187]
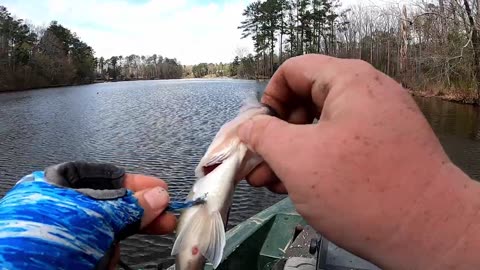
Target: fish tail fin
[207, 226]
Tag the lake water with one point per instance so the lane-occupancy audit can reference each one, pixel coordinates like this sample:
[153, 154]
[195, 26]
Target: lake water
[162, 128]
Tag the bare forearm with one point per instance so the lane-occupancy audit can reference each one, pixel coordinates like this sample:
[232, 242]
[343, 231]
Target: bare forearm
[444, 229]
[462, 227]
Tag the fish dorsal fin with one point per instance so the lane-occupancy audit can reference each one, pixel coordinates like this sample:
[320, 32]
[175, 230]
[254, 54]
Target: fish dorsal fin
[207, 225]
[216, 154]
[226, 140]
[218, 157]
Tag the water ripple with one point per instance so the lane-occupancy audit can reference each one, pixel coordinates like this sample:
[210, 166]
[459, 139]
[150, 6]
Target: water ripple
[160, 128]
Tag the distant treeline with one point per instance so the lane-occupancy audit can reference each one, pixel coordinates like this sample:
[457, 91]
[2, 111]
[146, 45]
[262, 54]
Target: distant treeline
[426, 45]
[241, 67]
[138, 67]
[35, 57]
[208, 70]
[281, 29]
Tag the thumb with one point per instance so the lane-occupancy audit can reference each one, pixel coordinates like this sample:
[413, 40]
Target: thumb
[268, 136]
[154, 201]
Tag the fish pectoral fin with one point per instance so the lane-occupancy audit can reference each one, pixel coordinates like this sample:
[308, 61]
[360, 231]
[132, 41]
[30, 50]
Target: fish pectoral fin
[208, 228]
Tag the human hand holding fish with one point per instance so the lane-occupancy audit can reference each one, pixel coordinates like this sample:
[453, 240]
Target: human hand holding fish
[370, 175]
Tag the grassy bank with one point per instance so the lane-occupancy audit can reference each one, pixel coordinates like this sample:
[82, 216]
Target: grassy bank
[458, 96]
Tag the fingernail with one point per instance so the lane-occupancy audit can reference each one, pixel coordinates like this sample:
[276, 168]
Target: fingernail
[157, 198]
[244, 131]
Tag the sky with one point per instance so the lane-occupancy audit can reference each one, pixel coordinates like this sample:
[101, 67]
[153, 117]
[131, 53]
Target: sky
[193, 31]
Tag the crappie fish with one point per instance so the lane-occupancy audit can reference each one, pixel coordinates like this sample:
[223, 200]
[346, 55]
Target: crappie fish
[201, 230]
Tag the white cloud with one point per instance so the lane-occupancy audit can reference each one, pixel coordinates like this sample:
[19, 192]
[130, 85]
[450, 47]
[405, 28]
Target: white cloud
[191, 32]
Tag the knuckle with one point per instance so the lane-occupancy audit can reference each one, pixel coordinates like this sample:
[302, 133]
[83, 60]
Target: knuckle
[358, 70]
[289, 63]
[361, 65]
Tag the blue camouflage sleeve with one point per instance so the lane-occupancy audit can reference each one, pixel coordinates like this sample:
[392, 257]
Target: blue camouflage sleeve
[44, 226]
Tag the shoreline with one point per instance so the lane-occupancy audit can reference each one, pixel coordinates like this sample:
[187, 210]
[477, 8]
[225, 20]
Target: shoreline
[45, 87]
[110, 81]
[461, 97]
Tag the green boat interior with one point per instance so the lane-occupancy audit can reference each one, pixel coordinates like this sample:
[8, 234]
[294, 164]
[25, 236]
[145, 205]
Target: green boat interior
[279, 239]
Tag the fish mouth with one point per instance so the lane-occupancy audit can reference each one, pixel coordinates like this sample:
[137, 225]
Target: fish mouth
[270, 110]
[209, 169]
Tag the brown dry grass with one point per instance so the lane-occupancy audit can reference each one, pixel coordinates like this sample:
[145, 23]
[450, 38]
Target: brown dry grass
[454, 95]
